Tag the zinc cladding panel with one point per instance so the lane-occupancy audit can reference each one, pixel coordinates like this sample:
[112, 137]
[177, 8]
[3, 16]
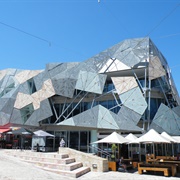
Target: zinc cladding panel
[97, 117]
[124, 84]
[91, 82]
[8, 106]
[167, 119]
[64, 87]
[100, 117]
[99, 60]
[70, 122]
[32, 120]
[87, 118]
[132, 51]
[106, 119]
[24, 88]
[155, 68]
[113, 65]
[40, 78]
[51, 66]
[133, 99]
[44, 111]
[46, 91]
[129, 114]
[25, 75]
[124, 123]
[13, 93]
[177, 110]
[2, 102]
[156, 127]
[16, 117]
[4, 118]
[2, 75]
[57, 69]
[128, 58]
[22, 100]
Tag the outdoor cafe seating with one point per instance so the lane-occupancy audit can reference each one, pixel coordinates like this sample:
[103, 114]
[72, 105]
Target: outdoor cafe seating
[168, 165]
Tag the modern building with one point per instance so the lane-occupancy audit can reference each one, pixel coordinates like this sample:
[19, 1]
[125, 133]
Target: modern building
[126, 88]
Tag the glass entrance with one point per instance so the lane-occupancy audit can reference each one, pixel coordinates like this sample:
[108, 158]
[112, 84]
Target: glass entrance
[84, 137]
[79, 140]
[74, 140]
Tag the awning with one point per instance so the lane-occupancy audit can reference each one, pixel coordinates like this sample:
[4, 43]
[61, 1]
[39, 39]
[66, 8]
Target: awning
[3, 130]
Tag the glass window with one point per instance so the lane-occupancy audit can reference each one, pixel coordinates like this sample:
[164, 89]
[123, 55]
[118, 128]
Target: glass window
[142, 82]
[108, 87]
[155, 103]
[7, 89]
[26, 112]
[84, 141]
[159, 84]
[104, 103]
[74, 140]
[110, 104]
[31, 85]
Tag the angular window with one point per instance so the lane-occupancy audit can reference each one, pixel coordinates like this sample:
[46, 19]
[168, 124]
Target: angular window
[7, 89]
[31, 85]
[108, 87]
[26, 112]
[160, 84]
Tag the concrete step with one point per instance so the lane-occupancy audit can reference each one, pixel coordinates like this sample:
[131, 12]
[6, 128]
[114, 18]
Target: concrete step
[37, 154]
[75, 173]
[65, 167]
[47, 159]
[54, 162]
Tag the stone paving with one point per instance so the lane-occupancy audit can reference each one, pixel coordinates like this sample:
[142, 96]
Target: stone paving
[12, 168]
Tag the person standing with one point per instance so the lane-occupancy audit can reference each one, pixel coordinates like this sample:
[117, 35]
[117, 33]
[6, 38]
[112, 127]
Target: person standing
[37, 147]
[62, 143]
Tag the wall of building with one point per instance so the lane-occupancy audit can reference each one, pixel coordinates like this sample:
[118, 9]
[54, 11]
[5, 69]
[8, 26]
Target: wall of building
[97, 164]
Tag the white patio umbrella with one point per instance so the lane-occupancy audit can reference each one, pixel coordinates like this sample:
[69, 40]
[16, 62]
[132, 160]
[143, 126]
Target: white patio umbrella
[130, 137]
[151, 137]
[177, 138]
[170, 138]
[113, 138]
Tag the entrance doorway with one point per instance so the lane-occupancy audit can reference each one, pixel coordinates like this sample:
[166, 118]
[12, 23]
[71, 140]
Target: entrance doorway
[78, 140]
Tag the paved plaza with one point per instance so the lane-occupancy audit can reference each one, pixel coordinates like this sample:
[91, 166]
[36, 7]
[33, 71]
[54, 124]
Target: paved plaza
[12, 168]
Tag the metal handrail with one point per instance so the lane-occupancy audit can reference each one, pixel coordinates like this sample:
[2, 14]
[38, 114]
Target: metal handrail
[100, 151]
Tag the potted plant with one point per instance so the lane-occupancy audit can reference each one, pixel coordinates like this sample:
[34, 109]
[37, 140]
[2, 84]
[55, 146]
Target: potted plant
[113, 149]
[112, 163]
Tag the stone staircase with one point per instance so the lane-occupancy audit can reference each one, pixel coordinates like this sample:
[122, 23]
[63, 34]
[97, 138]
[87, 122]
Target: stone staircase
[54, 162]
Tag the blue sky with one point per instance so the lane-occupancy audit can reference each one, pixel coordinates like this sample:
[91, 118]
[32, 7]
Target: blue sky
[36, 32]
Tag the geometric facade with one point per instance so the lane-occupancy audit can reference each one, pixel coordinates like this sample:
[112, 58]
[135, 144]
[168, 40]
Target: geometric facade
[122, 88]
[166, 120]
[124, 84]
[134, 100]
[100, 117]
[90, 82]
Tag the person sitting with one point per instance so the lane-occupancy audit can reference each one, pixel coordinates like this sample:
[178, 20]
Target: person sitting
[122, 165]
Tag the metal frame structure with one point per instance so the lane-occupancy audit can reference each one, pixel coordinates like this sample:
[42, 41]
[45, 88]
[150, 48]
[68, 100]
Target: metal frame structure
[116, 89]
